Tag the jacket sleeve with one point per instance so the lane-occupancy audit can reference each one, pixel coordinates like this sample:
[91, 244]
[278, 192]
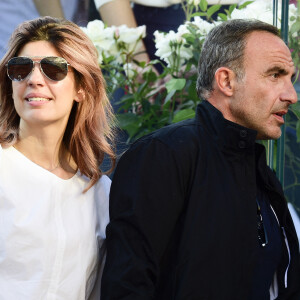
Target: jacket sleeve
[146, 199]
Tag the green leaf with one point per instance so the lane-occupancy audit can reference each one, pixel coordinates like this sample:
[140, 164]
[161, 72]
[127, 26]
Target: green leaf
[298, 131]
[129, 122]
[232, 8]
[183, 115]
[175, 84]
[222, 16]
[212, 10]
[192, 91]
[245, 4]
[169, 96]
[141, 64]
[142, 87]
[146, 106]
[126, 98]
[203, 5]
[198, 14]
[295, 27]
[296, 109]
[190, 38]
[150, 76]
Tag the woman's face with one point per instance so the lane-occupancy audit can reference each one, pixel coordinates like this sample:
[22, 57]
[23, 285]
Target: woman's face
[39, 100]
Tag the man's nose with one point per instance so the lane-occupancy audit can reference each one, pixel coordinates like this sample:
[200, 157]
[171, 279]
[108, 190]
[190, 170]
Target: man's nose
[290, 93]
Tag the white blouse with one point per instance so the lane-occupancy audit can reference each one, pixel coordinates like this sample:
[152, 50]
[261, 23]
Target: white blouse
[51, 234]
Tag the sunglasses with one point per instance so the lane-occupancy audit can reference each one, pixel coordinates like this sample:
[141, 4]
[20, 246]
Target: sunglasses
[54, 68]
[262, 233]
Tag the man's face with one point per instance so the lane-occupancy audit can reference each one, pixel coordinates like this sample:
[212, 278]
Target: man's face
[262, 97]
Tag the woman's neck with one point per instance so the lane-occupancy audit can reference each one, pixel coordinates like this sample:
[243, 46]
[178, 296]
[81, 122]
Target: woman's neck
[44, 147]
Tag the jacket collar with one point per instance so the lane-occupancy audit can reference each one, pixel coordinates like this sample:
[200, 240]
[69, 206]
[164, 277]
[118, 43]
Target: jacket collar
[232, 137]
[229, 135]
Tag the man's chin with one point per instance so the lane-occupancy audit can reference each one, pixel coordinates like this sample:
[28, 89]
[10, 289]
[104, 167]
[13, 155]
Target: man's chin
[269, 135]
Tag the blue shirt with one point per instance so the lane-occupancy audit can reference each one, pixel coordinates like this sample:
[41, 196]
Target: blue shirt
[269, 255]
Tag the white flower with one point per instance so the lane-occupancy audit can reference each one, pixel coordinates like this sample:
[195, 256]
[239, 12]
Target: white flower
[163, 44]
[98, 33]
[182, 29]
[262, 10]
[170, 47]
[128, 41]
[293, 11]
[194, 2]
[122, 42]
[128, 68]
[114, 41]
[94, 29]
[103, 38]
[293, 14]
[131, 35]
[158, 36]
[204, 26]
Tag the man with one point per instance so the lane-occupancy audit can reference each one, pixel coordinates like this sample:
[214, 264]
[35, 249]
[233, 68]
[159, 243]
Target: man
[196, 214]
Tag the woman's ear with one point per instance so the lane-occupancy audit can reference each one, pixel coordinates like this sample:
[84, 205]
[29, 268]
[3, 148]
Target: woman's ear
[225, 81]
[79, 97]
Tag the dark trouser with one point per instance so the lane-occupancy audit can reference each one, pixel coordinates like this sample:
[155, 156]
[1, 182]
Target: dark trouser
[158, 18]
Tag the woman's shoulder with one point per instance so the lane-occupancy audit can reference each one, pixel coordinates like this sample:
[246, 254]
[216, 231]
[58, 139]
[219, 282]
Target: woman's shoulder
[101, 195]
[7, 151]
[102, 188]
[104, 183]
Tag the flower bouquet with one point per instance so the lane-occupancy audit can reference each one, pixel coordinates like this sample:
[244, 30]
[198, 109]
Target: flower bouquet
[151, 100]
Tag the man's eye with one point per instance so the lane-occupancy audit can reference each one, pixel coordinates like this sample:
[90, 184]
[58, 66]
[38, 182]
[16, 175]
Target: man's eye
[275, 75]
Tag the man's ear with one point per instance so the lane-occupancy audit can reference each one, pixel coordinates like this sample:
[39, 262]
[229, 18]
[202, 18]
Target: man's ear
[79, 96]
[225, 80]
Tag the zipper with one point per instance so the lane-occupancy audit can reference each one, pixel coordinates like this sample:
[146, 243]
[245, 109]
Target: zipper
[287, 247]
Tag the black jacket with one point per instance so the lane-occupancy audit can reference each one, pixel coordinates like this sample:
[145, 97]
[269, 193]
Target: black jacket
[183, 215]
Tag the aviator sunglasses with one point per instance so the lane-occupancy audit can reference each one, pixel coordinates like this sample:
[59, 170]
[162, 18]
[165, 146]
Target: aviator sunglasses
[54, 68]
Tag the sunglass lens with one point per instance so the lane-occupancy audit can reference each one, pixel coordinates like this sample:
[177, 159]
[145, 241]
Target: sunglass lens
[18, 68]
[55, 68]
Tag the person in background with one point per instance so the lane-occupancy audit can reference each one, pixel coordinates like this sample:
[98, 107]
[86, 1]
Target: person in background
[14, 12]
[195, 212]
[162, 15]
[55, 128]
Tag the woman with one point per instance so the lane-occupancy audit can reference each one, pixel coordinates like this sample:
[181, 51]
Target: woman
[55, 128]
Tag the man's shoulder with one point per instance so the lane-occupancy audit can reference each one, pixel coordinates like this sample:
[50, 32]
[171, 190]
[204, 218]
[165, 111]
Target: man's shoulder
[181, 134]
[178, 143]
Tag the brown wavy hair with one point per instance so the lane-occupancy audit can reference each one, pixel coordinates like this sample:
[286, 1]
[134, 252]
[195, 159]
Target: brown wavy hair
[89, 133]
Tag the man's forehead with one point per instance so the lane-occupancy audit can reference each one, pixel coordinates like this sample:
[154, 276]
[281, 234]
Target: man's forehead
[260, 40]
[269, 48]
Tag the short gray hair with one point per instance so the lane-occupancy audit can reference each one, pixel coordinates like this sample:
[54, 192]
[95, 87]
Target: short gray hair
[224, 47]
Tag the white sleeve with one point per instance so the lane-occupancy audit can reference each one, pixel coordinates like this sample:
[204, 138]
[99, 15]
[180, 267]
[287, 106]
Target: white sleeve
[99, 3]
[295, 218]
[102, 190]
[166, 3]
